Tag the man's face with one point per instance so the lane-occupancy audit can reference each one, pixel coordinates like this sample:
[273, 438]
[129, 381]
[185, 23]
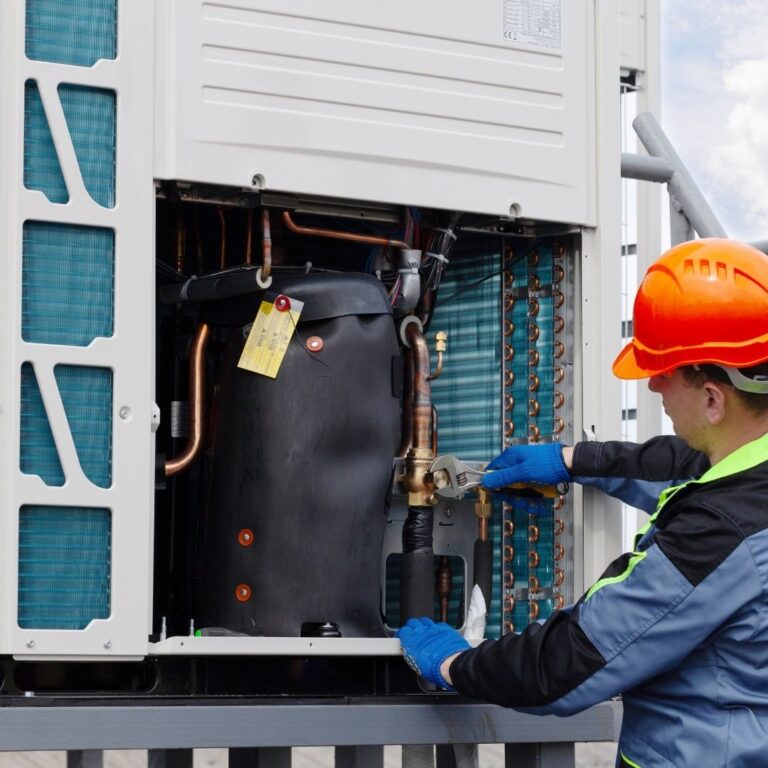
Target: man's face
[684, 404]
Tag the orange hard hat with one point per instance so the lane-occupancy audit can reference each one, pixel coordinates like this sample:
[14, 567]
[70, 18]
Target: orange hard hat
[705, 301]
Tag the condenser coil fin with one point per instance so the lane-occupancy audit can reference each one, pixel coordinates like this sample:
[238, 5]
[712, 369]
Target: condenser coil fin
[64, 565]
[77, 32]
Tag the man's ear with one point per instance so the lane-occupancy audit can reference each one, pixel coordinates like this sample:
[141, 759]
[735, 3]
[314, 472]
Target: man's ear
[714, 401]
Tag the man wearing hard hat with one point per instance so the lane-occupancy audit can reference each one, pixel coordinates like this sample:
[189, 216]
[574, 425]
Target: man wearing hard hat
[679, 626]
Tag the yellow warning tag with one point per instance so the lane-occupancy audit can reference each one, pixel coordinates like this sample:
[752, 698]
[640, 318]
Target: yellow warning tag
[269, 336]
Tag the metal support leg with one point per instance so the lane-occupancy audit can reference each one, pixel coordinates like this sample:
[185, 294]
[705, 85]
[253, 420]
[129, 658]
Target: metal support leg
[360, 757]
[261, 757]
[85, 758]
[554, 755]
[169, 758]
[445, 756]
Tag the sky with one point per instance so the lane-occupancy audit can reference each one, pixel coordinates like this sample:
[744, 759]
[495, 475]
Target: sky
[715, 104]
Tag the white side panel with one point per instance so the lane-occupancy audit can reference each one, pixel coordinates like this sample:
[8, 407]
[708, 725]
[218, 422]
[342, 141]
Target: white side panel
[633, 32]
[128, 352]
[423, 104]
[601, 300]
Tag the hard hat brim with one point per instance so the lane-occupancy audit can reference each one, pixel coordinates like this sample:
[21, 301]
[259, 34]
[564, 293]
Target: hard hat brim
[625, 366]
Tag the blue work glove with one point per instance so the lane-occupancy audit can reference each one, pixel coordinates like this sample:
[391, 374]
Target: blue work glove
[542, 464]
[427, 645]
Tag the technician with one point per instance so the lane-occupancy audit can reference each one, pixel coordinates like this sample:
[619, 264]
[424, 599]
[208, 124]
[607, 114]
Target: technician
[679, 626]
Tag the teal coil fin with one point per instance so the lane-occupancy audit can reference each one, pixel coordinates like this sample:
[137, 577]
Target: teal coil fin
[91, 119]
[64, 564]
[67, 283]
[76, 32]
[466, 395]
[38, 454]
[42, 170]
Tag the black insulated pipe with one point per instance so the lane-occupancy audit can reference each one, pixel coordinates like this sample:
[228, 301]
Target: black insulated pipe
[417, 570]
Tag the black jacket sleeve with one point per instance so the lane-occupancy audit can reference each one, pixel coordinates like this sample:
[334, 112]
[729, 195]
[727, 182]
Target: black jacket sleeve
[662, 458]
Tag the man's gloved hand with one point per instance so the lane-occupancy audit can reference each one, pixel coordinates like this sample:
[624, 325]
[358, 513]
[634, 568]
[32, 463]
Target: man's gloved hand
[427, 645]
[542, 464]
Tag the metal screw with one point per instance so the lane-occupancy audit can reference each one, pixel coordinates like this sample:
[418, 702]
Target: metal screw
[30, 643]
[125, 413]
[107, 644]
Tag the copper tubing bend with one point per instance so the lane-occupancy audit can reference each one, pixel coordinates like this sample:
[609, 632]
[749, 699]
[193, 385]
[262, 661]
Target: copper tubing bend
[196, 397]
[422, 392]
[338, 235]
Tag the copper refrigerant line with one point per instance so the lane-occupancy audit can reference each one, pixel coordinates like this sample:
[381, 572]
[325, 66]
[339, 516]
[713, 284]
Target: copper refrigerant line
[537, 358]
[196, 401]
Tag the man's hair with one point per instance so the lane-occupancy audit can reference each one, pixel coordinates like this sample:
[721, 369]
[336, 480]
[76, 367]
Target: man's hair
[697, 375]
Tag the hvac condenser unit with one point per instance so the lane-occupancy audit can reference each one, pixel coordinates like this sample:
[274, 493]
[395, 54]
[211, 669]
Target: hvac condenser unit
[232, 231]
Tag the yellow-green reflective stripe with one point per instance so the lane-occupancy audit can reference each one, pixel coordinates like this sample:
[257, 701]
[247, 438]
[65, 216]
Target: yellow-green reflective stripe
[629, 762]
[633, 561]
[747, 456]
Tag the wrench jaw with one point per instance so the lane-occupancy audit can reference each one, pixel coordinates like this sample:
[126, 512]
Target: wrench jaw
[452, 478]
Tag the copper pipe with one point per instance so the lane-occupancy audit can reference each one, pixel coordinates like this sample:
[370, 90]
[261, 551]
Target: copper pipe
[559, 602]
[509, 553]
[534, 559]
[223, 253]
[559, 399]
[417, 479]
[266, 236]
[533, 533]
[509, 303]
[196, 397]
[533, 583]
[509, 603]
[533, 408]
[422, 400]
[533, 304]
[535, 433]
[509, 327]
[509, 352]
[558, 425]
[509, 627]
[338, 235]
[534, 282]
[509, 378]
[558, 273]
[407, 436]
[482, 528]
[559, 551]
[434, 431]
[509, 528]
[249, 237]
[534, 614]
[559, 374]
[559, 577]
[559, 526]
[444, 586]
[509, 402]
[509, 579]
[559, 299]
[558, 324]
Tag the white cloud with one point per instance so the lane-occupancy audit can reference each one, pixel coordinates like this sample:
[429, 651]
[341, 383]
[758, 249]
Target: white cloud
[740, 161]
[716, 104]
